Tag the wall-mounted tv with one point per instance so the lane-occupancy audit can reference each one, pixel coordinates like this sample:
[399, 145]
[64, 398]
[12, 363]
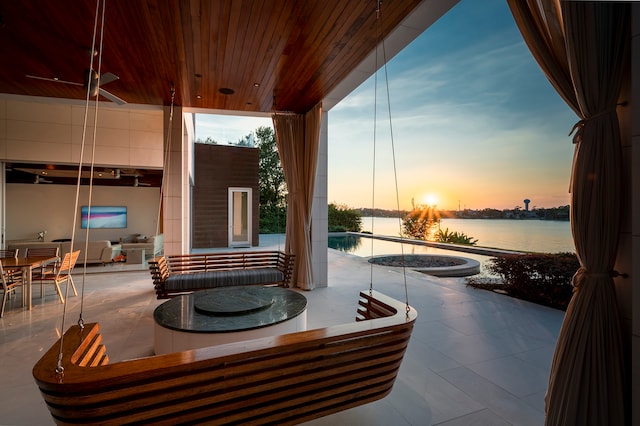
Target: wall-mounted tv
[103, 217]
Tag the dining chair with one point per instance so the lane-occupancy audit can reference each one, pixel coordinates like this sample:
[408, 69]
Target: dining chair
[9, 284]
[8, 253]
[12, 274]
[44, 270]
[63, 274]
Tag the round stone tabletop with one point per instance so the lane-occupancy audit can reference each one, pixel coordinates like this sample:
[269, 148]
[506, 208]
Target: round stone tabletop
[230, 309]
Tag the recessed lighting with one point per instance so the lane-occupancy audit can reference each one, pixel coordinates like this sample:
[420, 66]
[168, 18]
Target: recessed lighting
[256, 84]
[226, 91]
[198, 97]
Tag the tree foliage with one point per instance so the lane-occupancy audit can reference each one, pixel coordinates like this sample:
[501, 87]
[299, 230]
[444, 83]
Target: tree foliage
[421, 222]
[342, 218]
[209, 140]
[248, 141]
[271, 181]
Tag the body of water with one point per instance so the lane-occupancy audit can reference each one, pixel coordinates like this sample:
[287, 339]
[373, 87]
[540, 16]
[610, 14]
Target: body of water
[543, 236]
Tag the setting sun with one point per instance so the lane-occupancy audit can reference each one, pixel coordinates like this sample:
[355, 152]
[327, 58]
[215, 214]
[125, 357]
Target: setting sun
[430, 199]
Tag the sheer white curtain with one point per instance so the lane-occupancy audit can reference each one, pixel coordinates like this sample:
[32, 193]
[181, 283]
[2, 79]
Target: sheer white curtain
[581, 47]
[298, 137]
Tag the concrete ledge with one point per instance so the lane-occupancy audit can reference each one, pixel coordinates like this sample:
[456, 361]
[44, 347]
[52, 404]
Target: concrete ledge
[432, 264]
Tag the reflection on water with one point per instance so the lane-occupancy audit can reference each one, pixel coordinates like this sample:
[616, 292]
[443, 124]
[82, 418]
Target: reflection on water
[346, 243]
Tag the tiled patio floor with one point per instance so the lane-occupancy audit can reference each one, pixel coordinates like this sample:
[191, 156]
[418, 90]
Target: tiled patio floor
[475, 357]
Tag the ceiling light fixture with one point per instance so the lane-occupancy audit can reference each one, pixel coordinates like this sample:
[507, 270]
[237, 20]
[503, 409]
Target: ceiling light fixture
[226, 91]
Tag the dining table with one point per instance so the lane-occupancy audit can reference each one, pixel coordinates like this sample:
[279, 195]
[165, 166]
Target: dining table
[26, 265]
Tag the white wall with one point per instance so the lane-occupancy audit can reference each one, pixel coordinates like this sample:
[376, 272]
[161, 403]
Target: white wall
[319, 212]
[44, 130]
[32, 208]
[178, 177]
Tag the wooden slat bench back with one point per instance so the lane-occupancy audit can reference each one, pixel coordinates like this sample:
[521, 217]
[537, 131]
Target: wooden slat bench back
[163, 267]
[283, 379]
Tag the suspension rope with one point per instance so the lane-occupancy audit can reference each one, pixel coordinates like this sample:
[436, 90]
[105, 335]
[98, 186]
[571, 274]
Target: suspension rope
[166, 164]
[380, 42]
[375, 133]
[93, 157]
[59, 368]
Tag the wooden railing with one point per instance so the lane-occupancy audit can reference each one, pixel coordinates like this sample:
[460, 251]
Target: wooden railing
[283, 379]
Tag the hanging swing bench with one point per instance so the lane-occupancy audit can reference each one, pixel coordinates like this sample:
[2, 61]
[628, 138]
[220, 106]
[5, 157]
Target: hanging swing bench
[284, 379]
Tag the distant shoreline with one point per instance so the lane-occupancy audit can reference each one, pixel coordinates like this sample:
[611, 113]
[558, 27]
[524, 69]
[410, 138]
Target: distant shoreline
[556, 213]
[486, 218]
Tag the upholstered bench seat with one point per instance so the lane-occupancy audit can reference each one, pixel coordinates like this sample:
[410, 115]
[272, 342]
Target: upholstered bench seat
[222, 278]
[182, 273]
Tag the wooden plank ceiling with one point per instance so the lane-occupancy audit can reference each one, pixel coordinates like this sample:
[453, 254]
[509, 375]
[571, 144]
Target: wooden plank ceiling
[273, 54]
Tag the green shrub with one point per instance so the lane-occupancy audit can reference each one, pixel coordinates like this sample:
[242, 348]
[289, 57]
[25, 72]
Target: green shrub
[342, 218]
[541, 278]
[454, 237]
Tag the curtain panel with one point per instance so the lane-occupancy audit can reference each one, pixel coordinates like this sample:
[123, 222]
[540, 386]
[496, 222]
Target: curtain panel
[581, 48]
[297, 138]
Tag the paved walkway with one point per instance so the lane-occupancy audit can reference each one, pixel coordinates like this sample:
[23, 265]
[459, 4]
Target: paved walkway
[475, 357]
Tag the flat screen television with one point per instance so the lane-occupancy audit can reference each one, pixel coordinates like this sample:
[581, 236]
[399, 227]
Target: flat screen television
[103, 217]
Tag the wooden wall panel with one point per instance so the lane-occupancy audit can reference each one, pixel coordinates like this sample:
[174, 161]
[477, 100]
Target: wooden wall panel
[218, 167]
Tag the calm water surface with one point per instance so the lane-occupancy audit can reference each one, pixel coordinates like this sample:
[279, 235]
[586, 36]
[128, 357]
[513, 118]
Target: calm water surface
[520, 235]
[542, 236]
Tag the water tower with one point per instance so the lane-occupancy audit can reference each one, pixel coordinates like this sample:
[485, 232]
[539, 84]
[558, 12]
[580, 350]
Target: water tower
[526, 204]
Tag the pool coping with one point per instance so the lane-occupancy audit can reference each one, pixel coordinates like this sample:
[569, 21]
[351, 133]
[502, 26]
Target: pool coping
[483, 251]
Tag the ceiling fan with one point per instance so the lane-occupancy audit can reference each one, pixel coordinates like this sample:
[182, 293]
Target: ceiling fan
[40, 179]
[119, 172]
[136, 182]
[93, 81]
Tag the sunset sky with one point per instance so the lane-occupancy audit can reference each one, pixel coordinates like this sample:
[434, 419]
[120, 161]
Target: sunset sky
[475, 123]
